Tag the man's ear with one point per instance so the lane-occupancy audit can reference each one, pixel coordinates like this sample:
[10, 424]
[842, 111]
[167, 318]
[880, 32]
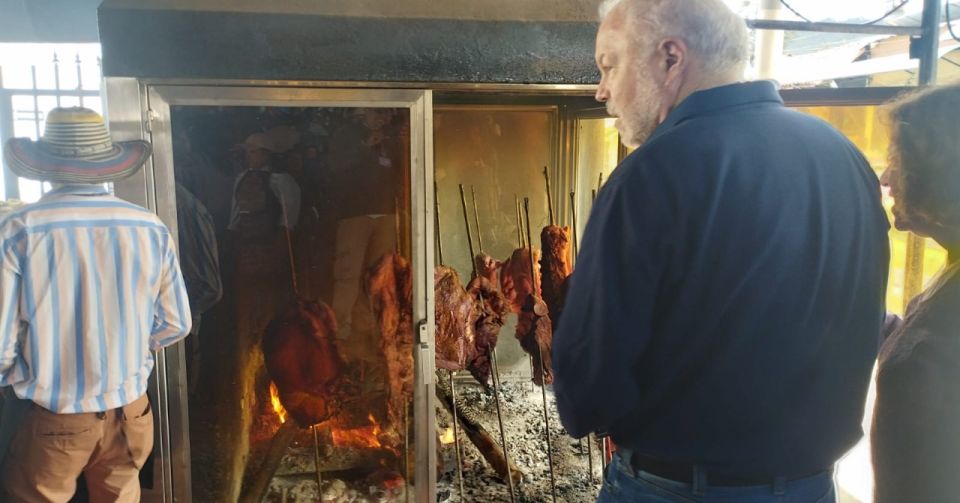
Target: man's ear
[673, 59]
[673, 62]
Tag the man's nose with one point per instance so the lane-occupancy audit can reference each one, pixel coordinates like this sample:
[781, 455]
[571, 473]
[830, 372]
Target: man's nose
[602, 93]
[885, 178]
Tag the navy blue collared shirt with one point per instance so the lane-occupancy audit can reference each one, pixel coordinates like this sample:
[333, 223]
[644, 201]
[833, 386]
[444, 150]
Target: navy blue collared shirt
[729, 291]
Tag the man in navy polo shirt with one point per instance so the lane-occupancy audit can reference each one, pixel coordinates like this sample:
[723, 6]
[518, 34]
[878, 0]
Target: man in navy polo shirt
[722, 322]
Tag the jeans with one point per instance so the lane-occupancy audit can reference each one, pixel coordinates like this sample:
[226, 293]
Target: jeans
[622, 484]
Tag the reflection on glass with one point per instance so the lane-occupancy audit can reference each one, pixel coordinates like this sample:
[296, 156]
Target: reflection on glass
[294, 239]
[597, 156]
[865, 128]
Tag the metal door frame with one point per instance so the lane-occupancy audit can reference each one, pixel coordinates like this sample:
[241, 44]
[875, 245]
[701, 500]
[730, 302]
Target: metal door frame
[137, 110]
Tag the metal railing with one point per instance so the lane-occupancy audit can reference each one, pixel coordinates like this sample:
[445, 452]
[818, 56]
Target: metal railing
[23, 114]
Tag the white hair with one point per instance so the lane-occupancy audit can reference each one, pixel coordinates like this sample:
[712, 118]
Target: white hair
[712, 31]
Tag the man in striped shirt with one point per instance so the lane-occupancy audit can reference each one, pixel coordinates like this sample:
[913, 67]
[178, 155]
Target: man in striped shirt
[90, 288]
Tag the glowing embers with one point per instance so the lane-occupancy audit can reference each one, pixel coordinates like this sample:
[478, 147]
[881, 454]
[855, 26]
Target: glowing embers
[366, 437]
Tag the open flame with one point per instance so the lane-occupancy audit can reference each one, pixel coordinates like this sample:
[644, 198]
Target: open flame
[446, 437]
[275, 403]
[365, 437]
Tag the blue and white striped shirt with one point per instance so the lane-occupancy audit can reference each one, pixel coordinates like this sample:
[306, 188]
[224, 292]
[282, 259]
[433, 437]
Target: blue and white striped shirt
[90, 286]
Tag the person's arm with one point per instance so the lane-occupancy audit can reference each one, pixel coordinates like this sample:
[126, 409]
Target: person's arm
[171, 319]
[286, 190]
[10, 288]
[607, 319]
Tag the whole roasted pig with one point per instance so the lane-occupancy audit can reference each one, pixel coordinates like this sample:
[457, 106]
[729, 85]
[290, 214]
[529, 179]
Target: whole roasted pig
[302, 358]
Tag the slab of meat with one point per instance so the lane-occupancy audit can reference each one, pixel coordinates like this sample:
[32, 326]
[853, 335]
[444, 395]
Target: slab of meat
[515, 280]
[389, 285]
[555, 267]
[457, 314]
[493, 314]
[488, 267]
[302, 358]
[535, 333]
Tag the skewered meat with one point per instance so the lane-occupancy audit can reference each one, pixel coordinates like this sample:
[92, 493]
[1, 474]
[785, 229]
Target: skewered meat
[488, 267]
[457, 315]
[515, 280]
[535, 333]
[555, 268]
[493, 314]
[389, 286]
[303, 360]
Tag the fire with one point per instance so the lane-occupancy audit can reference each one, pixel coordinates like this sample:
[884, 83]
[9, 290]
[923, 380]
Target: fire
[366, 437]
[447, 437]
[275, 402]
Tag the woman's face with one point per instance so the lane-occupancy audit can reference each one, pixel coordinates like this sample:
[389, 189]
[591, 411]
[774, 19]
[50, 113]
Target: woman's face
[905, 217]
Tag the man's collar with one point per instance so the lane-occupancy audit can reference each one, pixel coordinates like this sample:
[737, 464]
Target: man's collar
[78, 190]
[718, 98]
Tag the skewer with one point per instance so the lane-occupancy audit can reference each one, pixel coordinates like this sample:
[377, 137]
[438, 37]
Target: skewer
[493, 359]
[456, 436]
[543, 384]
[406, 453]
[520, 243]
[593, 196]
[476, 220]
[436, 219]
[453, 390]
[600, 182]
[573, 212]
[466, 220]
[546, 176]
[286, 232]
[503, 436]
[316, 457]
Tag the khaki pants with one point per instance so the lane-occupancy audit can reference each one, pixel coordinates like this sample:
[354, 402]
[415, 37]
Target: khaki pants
[50, 451]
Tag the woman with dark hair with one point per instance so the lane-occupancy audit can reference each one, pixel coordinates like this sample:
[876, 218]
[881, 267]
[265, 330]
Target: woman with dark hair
[916, 424]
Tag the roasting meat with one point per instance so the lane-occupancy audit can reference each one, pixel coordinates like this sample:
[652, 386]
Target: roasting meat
[303, 360]
[555, 268]
[457, 315]
[389, 286]
[516, 283]
[493, 313]
[535, 333]
[488, 267]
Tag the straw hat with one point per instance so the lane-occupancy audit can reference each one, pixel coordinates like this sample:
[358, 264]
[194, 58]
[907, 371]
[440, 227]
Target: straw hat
[75, 148]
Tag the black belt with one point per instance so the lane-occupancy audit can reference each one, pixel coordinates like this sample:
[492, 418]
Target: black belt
[684, 472]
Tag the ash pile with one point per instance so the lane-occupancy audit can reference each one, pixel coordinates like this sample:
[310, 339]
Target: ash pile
[523, 420]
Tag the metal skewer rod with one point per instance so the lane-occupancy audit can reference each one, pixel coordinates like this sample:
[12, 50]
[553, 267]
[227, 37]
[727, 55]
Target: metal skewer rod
[519, 223]
[493, 359]
[436, 218]
[543, 384]
[456, 435]
[466, 221]
[573, 212]
[316, 457]
[476, 220]
[503, 436]
[286, 232]
[546, 176]
[406, 453]
[576, 251]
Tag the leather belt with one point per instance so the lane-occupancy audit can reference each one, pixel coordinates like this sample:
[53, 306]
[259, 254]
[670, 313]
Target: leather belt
[684, 472]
